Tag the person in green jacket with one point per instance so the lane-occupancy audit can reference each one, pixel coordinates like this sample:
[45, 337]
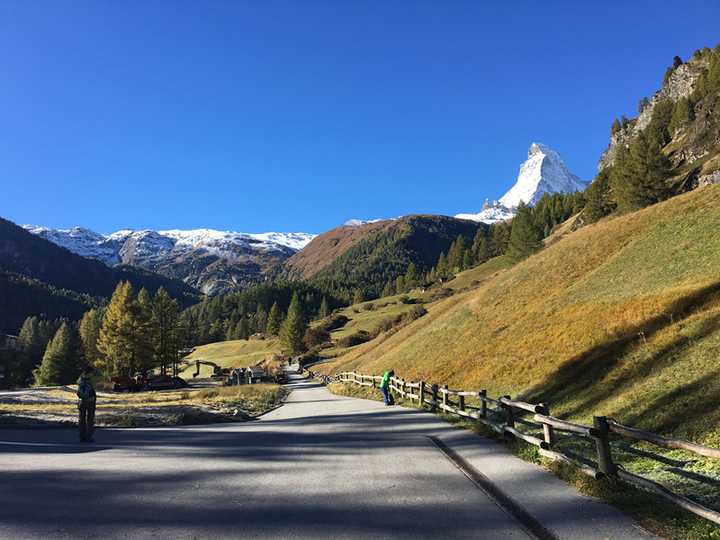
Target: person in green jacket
[385, 387]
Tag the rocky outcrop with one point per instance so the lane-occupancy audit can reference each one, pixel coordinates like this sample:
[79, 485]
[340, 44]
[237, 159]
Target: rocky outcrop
[680, 84]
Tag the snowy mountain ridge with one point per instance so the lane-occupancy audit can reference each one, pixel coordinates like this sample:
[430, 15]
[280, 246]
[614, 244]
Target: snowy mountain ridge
[543, 172]
[213, 261]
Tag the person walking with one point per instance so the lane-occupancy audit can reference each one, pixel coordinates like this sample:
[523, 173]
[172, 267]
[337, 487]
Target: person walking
[86, 407]
[385, 387]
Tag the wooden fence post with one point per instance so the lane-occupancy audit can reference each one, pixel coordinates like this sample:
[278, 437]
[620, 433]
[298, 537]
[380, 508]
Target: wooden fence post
[548, 432]
[461, 403]
[421, 394]
[483, 404]
[444, 395]
[509, 416]
[434, 397]
[602, 444]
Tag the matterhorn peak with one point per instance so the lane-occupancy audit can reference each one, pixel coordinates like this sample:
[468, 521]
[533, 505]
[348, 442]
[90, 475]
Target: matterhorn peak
[543, 172]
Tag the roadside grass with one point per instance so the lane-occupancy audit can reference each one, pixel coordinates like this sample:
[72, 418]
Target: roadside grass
[170, 407]
[229, 354]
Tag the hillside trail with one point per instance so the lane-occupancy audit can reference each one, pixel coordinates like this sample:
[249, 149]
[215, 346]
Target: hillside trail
[320, 466]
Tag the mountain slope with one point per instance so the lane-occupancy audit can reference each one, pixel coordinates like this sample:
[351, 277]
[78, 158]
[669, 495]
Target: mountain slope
[377, 252]
[327, 247]
[212, 261]
[544, 172]
[27, 255]
[615, 318]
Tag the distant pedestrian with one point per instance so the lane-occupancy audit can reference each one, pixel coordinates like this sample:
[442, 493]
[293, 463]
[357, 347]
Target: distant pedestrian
[385, 387]
[86, 407]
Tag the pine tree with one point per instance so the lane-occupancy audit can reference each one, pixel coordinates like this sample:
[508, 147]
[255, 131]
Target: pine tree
[89, 331]
[30, 340]
[682, 114]
[389, 289]
[598, 198]
[293, 328]
[455, 254]
[441, 268]
[411, 276]
[261, 317]
[274, 320]
[468, 260]
[358, 297]
[400, 284]
[243, 329]
[144, 333]
[525, 239]
[499, 238]
[324, 310]
[165, 315]
[61, 363]
[639, 175]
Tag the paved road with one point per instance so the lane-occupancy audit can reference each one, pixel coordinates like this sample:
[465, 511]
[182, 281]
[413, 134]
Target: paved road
[321, 466]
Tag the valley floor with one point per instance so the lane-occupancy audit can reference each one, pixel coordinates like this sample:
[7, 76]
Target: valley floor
[319, 466]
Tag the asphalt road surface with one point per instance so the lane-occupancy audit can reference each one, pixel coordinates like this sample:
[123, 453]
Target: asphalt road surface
[321, 466]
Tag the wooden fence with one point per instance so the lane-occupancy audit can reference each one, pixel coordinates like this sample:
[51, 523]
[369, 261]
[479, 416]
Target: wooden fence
[505, 416]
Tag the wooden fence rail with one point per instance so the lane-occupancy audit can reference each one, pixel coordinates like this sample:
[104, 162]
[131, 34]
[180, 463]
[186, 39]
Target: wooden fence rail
[508, 413]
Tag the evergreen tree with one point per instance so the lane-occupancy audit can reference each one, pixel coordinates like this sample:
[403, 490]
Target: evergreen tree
[143, 333]
[468, 260]
[358, 297]
[441, 268]
[615, 127]
[389, 289]
[324, 310]
[411, 276]
[525, 239]
[639, 175]
[599, 202]
[274, 320]
[61, 363]
[261, 318]
[682, 115]
[400, 284]
[499, 238]
[455, 254]
[89, 331]
[30, 339]
[293, 328]
[243, 329]
[165, 316]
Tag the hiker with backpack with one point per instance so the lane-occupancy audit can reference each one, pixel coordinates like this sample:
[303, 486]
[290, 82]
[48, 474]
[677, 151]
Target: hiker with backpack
[86, 407]
[385, 387]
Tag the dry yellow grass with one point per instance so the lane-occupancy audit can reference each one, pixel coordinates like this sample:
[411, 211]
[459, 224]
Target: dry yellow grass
[231, 354]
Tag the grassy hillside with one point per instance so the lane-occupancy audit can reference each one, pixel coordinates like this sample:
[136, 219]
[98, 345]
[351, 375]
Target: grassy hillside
[618, 318]
[239, 353]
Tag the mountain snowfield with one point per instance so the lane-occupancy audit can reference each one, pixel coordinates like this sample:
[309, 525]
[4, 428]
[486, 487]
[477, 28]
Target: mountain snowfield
[543, 172]
[210, 260]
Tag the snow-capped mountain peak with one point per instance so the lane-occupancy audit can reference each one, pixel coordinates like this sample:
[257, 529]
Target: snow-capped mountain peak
[543, 172]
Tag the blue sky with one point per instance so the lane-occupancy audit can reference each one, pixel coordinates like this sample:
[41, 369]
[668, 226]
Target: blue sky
[298, 115]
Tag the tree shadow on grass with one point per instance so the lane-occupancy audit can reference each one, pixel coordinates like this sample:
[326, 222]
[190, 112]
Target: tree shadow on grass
[578, 381]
